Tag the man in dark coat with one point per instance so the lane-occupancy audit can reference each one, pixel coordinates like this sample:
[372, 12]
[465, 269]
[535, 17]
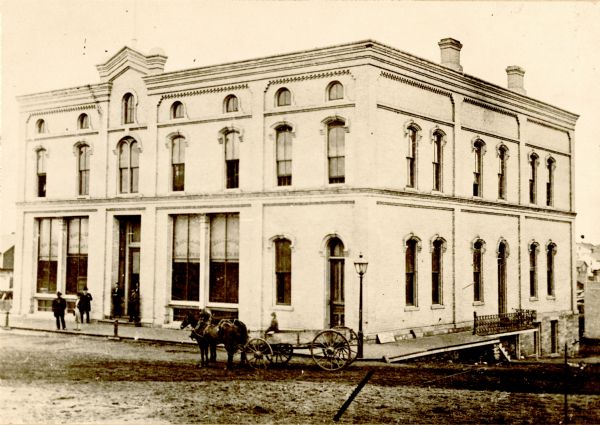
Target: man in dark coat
[116, 296]
[59, 305]
[85, 304]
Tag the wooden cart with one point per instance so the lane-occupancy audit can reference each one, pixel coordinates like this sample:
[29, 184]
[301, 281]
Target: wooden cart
[331, 349]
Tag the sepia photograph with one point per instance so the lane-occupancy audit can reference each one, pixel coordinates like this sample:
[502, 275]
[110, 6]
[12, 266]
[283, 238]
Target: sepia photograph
[299, 212]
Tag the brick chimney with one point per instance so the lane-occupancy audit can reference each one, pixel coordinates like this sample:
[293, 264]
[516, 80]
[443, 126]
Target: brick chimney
[450, 52]
[515, 76]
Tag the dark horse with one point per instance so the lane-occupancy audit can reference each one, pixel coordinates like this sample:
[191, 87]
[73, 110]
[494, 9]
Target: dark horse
[233, 334]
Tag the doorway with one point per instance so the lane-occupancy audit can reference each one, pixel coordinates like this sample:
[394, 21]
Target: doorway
[335, 250]
[129, 262]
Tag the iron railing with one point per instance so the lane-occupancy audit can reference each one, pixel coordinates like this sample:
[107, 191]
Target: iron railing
[506, 322]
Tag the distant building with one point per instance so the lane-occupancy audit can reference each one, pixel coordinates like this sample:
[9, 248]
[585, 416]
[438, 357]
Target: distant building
[252, 187]
[7, 258]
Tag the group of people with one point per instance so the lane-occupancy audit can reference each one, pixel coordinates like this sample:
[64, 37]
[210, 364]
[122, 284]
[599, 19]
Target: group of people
[81, 311]
[84, 305]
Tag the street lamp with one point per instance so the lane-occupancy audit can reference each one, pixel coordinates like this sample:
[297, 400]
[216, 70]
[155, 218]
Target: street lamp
[361, 268]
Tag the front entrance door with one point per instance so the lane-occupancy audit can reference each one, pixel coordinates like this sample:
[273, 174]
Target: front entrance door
[129, 261]
[336, 283]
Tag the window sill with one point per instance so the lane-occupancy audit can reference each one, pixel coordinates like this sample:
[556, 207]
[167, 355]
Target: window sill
[436, 192]
[502, 200]
[410, 189]
[478, 303]
[533, 299]
[280, 307]
[411, 308]
[551, 297]
[438, 307]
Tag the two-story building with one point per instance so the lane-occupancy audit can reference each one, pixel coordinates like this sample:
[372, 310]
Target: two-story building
[252, 187]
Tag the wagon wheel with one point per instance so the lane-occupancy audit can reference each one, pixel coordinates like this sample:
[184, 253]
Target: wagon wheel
[258, 353]
[282, 353]
[352, 340]
[330, 350]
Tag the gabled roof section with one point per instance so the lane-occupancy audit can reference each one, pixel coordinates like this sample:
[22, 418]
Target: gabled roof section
[128, 58]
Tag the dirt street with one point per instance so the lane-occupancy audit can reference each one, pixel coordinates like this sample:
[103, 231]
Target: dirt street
[54, 378]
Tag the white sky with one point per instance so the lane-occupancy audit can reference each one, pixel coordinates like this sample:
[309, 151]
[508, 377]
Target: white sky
[50, 45]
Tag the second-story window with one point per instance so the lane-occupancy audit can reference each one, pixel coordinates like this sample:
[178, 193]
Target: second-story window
[40, 126]
[83, 167]
[231, 104]
[177, 110]
[41, 173]
[550, 165]
[411, 158]
[283, 97]
[128, 108]
[336, 152]
[335, 91]
[83, 121]
[502, 155]
[178, 164]
[533, 164]
[128, 166]
[478, 171]
[232, 160]
[284, 156]
[437, 161]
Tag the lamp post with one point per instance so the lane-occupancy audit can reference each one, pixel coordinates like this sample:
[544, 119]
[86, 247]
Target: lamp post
[361, 268]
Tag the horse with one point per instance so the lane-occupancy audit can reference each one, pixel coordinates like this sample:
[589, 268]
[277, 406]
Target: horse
[233, 334]
[204, 332]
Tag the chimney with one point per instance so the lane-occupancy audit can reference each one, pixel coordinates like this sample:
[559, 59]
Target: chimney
[450, 51]
[515, 76]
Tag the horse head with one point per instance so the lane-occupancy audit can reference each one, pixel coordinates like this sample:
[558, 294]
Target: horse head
[190, 319]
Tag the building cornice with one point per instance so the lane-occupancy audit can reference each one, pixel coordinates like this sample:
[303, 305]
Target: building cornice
[414, 83]
[307, 76]
[207, 90]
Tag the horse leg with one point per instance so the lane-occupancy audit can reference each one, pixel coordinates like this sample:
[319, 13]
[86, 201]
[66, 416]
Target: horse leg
[213, 352]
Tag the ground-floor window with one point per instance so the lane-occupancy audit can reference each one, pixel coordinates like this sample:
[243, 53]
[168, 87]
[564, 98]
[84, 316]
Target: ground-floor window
[554, 336]
[77, 255]
[47, 254]
[185, 284]
[283, 271]
[224, 258]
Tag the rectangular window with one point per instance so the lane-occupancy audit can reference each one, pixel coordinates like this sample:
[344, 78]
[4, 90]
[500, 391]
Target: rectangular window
[554, 336]
[411, 275]
[232, 160]
[436, 273]
[550, 270]
[185, 277]
[224, 258]
[532, 272]
[336, 153]
[77, 254]
[284, 156]
[41, 173]
[283, 271]
[48, 236]
[477, 281]
[178, 164]
[233, 173]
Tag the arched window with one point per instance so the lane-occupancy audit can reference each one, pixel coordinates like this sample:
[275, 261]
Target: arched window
[284, 155]
[283, 271]
[335, 91]
[550, 253]
[231, 103]
[41, 172]
[232, 159]
[128, 108]
[178, 163]
[336, 151]
[83, 168]
[478, 271]
[411, 271]
[128, 166]
[502, 156]
[437, 160]
[83, 121]
[502, 254]
[533, 164]
[411, 157]
[550, 166]
[335, 254]
[176, 110]
[436, 272]
[40, 126]
[478, 171]
[284, 97]
[533, 259]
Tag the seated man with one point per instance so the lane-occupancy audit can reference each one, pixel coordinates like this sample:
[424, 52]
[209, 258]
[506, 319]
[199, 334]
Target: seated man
[203, 321]
[274, 326]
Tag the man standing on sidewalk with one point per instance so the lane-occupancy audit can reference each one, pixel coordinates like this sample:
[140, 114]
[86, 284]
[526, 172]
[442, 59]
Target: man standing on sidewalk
[85, 304]
[59, 305]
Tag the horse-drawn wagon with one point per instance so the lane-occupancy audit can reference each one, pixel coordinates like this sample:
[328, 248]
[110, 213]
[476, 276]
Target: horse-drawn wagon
[331, 349]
